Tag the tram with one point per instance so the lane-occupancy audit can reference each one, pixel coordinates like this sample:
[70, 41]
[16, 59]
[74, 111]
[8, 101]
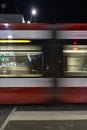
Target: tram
[25, 62]
[43, 63]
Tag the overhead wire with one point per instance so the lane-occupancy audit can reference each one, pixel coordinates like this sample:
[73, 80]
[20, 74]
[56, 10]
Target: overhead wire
[15, 6]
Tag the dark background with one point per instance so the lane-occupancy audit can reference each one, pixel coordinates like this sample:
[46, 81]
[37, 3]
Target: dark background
[51, 11]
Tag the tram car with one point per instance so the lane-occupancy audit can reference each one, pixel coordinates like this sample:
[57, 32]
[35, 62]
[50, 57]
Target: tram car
[25, 63]
[43, 63]
[72, 78]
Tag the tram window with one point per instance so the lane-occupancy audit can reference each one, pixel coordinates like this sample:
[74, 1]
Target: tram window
[75, 60]
[21, 61]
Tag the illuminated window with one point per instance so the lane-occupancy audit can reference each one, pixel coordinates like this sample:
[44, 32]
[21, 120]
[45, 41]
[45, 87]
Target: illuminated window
[75, 60]
[21, 60]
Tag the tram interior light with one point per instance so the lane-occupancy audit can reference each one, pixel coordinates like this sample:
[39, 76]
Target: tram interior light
[15, 41]
[75, 42]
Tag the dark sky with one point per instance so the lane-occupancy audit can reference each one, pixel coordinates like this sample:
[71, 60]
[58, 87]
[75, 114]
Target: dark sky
[55, 11]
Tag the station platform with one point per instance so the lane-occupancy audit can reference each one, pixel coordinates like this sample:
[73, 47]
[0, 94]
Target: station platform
[27, 117]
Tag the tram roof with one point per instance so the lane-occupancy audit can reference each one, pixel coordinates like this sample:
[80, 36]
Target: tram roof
[71, 26]
[43, 26]
[25, 26]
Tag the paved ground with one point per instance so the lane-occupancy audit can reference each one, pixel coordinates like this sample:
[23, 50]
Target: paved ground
[53, 107]
[4, 112]
[47, 125]
[30, 117]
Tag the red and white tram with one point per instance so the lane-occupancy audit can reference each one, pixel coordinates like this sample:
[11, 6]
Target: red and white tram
[42, 63]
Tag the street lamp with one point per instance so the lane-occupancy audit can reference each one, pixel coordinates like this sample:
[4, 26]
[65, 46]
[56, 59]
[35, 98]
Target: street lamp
[33, 13]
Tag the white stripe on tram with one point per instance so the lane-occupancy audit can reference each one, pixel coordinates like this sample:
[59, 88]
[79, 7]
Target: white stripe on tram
[71, 82]
[26, 34]
[71, 34]
[26, 82]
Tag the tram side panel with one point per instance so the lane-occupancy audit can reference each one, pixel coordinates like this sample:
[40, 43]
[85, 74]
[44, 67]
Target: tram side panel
[25, 90]
[72, 90]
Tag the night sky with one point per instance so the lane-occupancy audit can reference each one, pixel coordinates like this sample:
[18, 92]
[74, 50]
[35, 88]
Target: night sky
[51, 11]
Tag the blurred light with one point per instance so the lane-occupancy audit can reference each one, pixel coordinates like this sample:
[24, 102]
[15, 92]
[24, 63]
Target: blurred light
[75, 42]
[34, 11]
[6, 25]
[23, 20]
[72, 51]
[15, 41]
[28, 21]
[10, 36]
[75, 48]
